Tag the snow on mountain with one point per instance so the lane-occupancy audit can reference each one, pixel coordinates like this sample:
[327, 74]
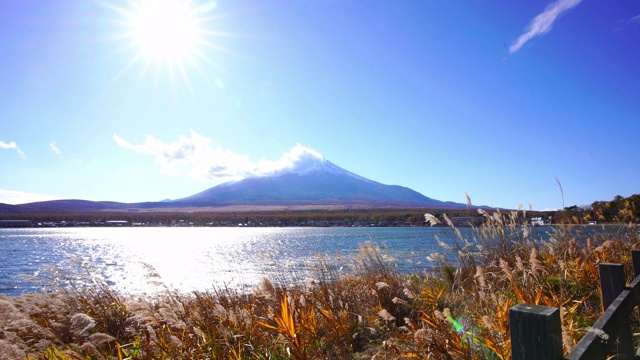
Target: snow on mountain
[302, 177]
[304, 161]
[305, 177]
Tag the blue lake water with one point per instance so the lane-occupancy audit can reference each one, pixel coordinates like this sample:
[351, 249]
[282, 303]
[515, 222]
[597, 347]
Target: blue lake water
[145, 260]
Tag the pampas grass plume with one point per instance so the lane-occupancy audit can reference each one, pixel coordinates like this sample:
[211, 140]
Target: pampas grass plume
[432, 220]
[265, 289]
[81, 324]
[385, 315]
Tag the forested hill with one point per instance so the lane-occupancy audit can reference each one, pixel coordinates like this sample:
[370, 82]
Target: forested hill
[620, 209]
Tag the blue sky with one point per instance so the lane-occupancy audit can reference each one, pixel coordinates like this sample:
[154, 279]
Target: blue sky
[496, 99]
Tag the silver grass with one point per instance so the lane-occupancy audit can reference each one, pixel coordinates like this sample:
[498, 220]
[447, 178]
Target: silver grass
[479, 276]
[534, 263]
[220, 311]
[89, 348]
[441, 243]
[8, 313]
[385, 315]
[432, 220]
[11, 351]
[100, 338]
[265, 289]
[171, 318]
[81, 324]
[409, 322]
[487, 322]
[408, 293]
[422, 334]
[520, 264]
[397, 300]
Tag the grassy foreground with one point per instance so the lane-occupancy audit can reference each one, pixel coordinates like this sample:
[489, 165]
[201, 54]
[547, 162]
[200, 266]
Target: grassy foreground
[458, 312]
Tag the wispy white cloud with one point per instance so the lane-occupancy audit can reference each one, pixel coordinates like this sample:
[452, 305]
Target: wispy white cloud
[12, 145]
[625, 24]
[20, 197]
[55, 148]
[543, 22]
[196, 157]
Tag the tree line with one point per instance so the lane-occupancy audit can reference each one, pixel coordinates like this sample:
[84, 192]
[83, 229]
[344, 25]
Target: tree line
[619, 210]
[345, 217]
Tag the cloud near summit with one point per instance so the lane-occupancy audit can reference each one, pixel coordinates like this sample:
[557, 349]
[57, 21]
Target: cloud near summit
[197, 158]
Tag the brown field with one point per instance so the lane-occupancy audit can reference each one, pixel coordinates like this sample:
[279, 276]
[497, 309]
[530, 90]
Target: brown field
[457, 312]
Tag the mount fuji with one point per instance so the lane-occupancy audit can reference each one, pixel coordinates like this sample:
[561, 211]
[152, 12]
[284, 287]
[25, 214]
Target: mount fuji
[304, 180]
[307, 181]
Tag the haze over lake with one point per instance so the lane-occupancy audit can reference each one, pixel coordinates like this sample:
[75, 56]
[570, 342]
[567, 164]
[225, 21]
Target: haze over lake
[140, 260]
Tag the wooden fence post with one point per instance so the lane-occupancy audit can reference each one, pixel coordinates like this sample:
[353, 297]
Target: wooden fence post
[535, 332]
[635, 261]
[612, 283]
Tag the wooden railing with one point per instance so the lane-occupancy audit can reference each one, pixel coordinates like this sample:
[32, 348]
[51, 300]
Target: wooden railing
[536, 331]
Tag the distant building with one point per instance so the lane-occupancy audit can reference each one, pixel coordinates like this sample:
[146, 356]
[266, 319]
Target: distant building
[467, 220]
[537, 221]
[116, 223]
[15, 223]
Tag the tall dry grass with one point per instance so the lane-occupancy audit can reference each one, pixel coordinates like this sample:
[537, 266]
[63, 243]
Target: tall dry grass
[459, 311]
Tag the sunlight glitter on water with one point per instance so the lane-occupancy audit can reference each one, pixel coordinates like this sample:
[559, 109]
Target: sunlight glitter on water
[186, 259]
[147, 260]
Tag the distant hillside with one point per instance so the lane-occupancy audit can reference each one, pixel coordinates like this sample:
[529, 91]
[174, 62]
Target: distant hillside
[11, 209]
[317, 182]
[310, 181]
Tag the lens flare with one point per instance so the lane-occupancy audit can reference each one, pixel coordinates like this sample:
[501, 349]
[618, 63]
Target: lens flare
[460, 329]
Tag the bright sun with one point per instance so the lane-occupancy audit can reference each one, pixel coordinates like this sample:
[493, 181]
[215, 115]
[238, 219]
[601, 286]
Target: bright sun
[170, 36]
[165, 30]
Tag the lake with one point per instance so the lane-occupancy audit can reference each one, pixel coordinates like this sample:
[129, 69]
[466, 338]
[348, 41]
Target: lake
[147, 260]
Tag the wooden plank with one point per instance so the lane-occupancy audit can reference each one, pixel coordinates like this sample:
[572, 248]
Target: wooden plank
[535, 332]
[635, 261]
[602, 335]
[634, 288]
[612, 282]
[592, 346]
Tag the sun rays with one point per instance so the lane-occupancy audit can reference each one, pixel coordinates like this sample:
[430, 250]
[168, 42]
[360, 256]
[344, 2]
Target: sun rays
[167, 40]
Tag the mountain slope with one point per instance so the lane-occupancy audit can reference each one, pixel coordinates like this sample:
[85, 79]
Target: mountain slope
[54, 206]
[305, 180]
[311, 182]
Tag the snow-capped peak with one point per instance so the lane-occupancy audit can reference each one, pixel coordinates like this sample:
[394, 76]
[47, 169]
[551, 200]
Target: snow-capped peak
[300, 160]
